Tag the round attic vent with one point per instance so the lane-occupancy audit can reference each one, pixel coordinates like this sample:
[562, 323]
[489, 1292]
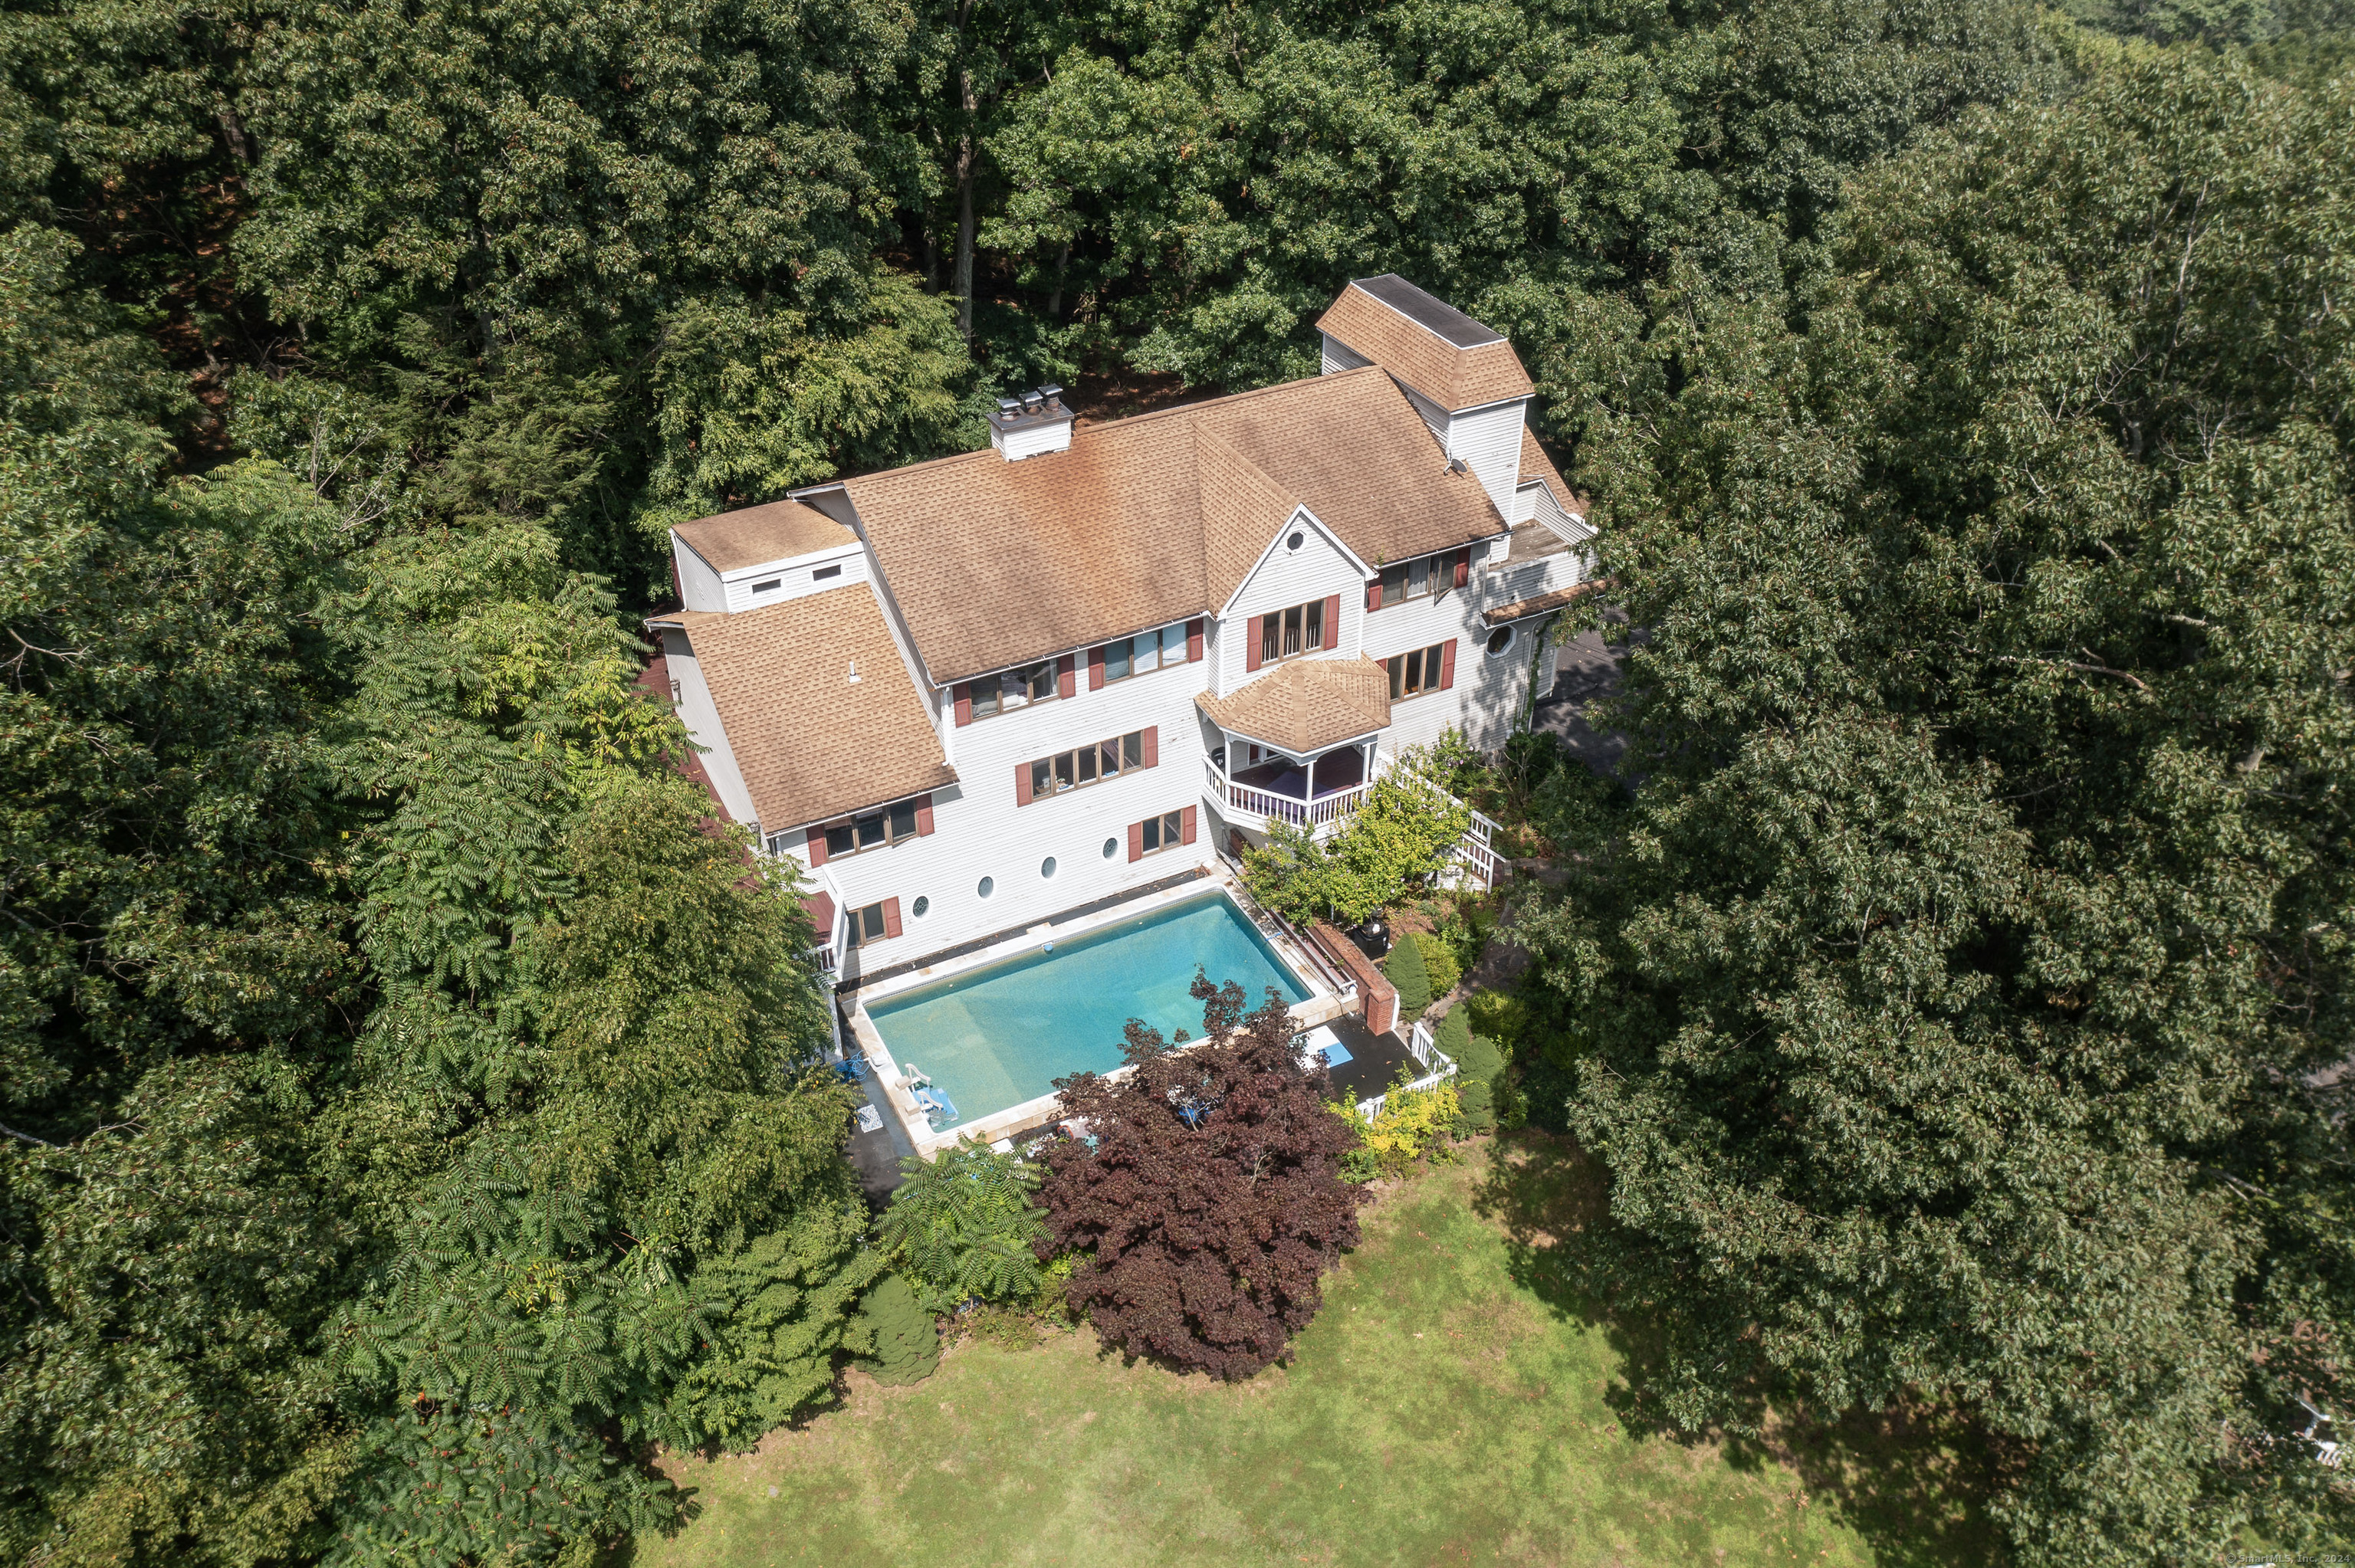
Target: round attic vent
[1297, 539]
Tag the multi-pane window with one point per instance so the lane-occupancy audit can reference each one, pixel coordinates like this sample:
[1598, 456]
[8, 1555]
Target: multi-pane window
[873, 831]
[866, 925]
[1011, 689]
[1417, 578]
[1087, 764]
[1420, 671]
[1300, 629]
[1145, 651]
[1164, 832]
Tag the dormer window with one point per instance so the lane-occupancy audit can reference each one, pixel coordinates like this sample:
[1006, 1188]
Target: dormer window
[772, 586]
[823, 573]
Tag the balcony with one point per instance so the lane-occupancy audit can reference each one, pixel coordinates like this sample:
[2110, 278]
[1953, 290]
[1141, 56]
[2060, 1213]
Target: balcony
[1282, 791]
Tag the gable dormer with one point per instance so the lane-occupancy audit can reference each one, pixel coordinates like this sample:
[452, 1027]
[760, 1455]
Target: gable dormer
[1462, 376]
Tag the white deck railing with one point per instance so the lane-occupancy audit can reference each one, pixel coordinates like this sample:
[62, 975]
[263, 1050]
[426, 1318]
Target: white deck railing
[1475, 852]
[1247, 801]
[1437, 1068]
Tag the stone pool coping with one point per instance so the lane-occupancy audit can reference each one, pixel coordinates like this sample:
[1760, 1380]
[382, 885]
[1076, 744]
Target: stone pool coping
[899, 1101]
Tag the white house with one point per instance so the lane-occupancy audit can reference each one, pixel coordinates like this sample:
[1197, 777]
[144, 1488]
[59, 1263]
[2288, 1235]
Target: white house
[980, 692]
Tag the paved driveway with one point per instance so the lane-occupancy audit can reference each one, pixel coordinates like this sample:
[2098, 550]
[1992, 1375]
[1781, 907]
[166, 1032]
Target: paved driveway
[1585, 671]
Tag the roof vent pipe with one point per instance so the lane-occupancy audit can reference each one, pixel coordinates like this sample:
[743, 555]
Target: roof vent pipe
[1031, 425]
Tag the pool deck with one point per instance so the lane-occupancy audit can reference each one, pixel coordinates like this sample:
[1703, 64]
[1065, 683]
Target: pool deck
[890, 1089]
[1374, 1059]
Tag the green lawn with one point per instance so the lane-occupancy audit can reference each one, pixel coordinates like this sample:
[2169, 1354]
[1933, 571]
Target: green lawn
[1446, 1406]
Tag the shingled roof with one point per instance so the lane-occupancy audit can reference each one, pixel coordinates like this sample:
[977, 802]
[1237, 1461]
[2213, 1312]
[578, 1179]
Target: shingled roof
[1429, 344]
[812, 744]
[1153, 518]
[756, 536]
[1306, 705]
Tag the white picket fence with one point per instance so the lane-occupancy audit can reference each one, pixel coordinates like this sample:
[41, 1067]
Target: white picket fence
[1437, 1067]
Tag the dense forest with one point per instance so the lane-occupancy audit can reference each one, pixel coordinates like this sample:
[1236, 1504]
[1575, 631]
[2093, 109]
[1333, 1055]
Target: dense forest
[406, 1125]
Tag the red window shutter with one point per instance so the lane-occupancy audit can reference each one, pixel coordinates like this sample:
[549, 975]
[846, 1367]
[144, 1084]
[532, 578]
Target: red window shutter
[1332, 620]
[820, 913]
[1153, 746]
[923, 815]
[1194, 641]
[891, 918]
[1067, 680]
[1095, 669]
[1186, 825]
[1462, 572]
[1021, 783]
[1374, 593]
[1250, 644]
[964, 704]
[1135, 840]
[1447, 667]
[818, 846]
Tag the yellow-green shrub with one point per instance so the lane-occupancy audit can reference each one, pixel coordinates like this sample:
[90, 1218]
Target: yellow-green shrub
[1438, 962]
[1414, 1122]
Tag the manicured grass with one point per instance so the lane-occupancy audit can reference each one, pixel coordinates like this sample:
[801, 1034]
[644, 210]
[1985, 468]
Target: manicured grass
[1448, 1406]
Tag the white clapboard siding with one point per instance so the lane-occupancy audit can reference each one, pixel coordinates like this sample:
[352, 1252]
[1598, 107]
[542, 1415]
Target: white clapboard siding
[796, 578]
[701, 716]
[1283, 579]
[1489, 441]
[980, 831]
[1340, 356]
[698, 585]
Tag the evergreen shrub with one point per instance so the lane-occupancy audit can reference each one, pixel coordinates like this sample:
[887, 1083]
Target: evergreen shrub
[1404, 968]
[1479, 1069]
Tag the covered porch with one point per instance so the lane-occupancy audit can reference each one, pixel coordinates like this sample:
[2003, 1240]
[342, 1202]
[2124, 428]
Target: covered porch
[1300, 746]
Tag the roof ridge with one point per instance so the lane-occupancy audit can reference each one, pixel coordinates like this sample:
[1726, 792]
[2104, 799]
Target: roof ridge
[1224, 399]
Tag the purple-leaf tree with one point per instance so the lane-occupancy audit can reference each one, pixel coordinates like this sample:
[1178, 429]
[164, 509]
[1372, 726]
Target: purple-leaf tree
[1210, 1203]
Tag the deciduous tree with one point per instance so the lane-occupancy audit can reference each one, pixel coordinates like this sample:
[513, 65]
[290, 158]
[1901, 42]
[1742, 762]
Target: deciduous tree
[1961, 1010]
[1205, 1194]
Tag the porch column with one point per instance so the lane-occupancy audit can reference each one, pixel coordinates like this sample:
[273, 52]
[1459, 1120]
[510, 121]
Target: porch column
[1309, 791]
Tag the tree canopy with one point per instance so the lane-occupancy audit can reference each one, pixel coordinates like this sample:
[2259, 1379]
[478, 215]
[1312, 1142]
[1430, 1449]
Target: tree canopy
[405, 1117]
[1961, 1007]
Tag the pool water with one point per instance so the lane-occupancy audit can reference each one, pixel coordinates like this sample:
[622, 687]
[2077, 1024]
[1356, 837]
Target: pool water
[997, 1036]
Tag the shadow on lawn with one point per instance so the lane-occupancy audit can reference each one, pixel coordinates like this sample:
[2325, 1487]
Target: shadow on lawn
[1911, 1481]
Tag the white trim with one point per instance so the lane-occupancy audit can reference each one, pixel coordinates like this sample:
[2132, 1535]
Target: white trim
[891, 1085]
[1298, 512]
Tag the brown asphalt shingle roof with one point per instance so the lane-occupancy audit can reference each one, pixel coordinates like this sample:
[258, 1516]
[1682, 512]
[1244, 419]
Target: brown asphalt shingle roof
[1455, 378]
[758, 534]
[810, 744]
[1306, 705]
[1534, 464]
[1153, 519]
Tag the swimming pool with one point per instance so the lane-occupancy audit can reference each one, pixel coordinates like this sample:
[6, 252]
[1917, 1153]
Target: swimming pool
[1003, 1034]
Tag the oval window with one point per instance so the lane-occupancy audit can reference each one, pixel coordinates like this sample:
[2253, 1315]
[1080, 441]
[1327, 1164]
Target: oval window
[1047, 866]
[1499, 639]
[1297, 539]
[988, 885]
[923, 906]
[1112, 848]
